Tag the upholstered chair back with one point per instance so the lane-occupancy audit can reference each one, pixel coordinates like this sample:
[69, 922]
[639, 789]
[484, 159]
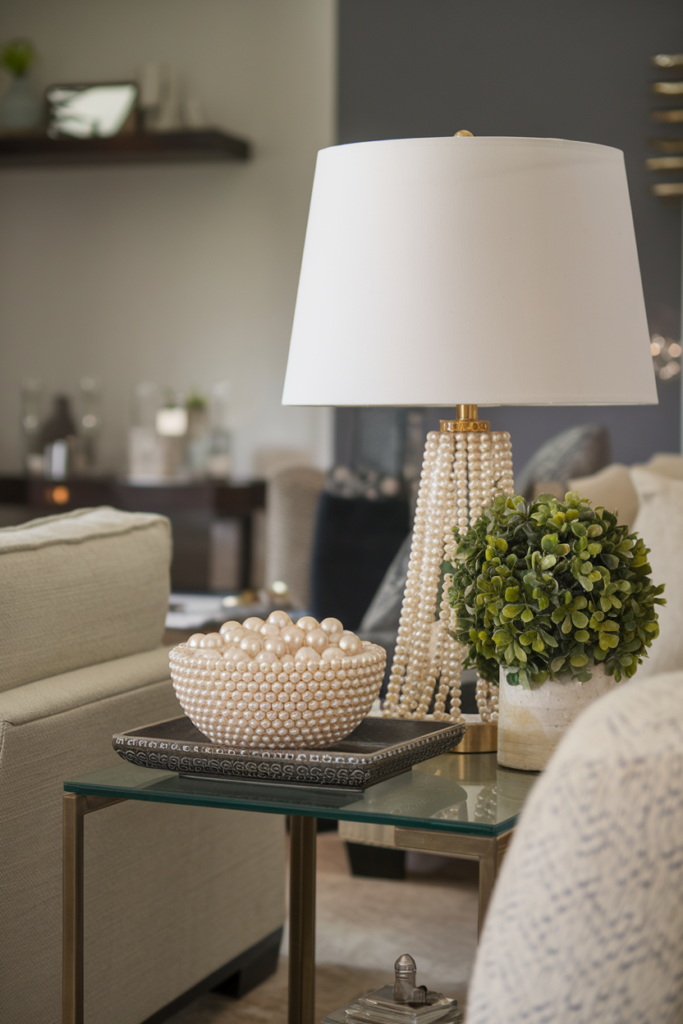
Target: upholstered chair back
[80, 589]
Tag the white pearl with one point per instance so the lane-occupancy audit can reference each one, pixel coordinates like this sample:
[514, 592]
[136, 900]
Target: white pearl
[279, 618]
[253, 623]
[294, 638]
[306, 654]
[251, 645]
[318, 639]
[307, 623]
[275, 645]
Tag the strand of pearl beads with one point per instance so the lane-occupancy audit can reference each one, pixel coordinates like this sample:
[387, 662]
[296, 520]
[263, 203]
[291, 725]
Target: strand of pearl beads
[442, 490]
[399, 694]
[418, 655]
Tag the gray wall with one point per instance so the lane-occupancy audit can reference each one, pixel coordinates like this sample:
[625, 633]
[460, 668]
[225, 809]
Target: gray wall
[184, 274]
[575, 70]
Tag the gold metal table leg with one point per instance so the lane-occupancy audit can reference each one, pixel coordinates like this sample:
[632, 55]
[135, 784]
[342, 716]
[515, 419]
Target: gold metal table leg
[75, 807]
[488, 869]
[489, 866]
[72, 927]
[488, 850]
[302, 855]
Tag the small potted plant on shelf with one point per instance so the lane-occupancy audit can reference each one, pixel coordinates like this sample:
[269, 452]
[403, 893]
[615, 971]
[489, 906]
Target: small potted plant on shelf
[20, 108]
[554, 600]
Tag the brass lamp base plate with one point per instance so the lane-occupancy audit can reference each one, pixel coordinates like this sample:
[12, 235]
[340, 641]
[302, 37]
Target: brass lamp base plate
[480, 738]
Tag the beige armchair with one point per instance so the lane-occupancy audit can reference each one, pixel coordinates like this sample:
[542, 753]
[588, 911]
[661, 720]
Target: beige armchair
[174, 895]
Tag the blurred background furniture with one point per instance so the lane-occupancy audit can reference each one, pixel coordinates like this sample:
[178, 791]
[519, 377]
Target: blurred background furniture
[576, 452]
[83, 601]
[586, 920]
[354, 543]
[216, 525]
[292, 500]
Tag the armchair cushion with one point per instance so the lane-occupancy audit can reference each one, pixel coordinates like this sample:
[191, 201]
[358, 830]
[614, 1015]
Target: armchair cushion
[611, 487]
[171, 893]
[79, 589]
[660, 524]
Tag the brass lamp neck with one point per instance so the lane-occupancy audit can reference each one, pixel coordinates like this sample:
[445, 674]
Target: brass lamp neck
[468, 421]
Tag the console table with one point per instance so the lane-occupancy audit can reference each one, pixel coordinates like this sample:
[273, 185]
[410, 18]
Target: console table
[464, 805]
[208, 498]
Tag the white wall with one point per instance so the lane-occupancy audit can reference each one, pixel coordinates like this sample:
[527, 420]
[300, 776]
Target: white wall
[182, 274]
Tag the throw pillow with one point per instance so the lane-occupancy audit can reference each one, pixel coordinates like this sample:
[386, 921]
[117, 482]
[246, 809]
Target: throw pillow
[578, 451]
[666, 464]
[612, 488]
[660, 524]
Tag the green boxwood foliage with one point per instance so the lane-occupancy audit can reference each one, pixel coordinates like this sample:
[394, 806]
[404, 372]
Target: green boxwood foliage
[17, 56]
[549, 588]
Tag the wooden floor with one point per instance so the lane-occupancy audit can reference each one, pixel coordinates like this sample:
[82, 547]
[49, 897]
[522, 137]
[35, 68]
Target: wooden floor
[363, 925]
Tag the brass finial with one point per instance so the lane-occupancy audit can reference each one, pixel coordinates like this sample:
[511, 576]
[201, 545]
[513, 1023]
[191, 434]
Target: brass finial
[468, 421]
[463, 135]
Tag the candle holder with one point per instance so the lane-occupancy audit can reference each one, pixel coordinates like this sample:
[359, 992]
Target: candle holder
[400, 1003]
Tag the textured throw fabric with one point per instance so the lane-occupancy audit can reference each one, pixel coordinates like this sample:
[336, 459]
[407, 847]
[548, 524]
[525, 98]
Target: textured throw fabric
[80, 588]
[575, 452]
[172, 893]
[660, 524]
[586, 921]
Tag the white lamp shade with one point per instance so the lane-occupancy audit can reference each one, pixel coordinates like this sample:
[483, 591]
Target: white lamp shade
[480, 270]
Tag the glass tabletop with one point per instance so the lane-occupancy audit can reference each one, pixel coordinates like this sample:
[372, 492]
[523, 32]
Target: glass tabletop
[467, 793]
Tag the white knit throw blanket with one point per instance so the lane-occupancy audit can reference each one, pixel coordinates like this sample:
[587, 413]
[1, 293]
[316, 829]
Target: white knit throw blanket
[586, 921]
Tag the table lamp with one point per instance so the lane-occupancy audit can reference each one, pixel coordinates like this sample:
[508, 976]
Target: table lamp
[486, 271]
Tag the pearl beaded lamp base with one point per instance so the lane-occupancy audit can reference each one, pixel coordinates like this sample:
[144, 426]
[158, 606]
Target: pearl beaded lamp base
[465, 466]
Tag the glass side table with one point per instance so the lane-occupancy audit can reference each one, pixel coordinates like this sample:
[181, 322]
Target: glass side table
[464, 805]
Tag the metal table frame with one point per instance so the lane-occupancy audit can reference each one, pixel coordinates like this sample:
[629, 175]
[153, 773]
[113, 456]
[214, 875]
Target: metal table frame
[488, 849]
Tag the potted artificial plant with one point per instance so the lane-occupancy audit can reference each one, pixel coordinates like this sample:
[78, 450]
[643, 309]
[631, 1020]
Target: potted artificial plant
[554, 600]
[20, 108]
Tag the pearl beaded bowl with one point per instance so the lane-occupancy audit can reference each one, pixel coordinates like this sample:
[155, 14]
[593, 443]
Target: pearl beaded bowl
[276, 684]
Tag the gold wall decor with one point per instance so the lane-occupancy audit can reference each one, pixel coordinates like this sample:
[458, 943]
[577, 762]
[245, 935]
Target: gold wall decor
[669, 88]
[668, 60]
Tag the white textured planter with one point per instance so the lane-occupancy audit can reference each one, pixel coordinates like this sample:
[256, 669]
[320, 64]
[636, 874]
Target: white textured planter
[532, 722]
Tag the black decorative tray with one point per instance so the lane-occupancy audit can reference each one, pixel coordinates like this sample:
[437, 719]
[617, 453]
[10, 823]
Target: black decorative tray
[376, 750]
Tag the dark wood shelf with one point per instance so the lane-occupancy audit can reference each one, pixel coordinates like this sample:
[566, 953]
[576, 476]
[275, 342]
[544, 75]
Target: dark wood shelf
[141, 147]
[190, 506]
[215, 496]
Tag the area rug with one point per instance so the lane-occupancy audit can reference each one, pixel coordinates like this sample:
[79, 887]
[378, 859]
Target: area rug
[363, 925]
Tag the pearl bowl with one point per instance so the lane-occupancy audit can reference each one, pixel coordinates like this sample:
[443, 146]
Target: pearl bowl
[276, 684]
